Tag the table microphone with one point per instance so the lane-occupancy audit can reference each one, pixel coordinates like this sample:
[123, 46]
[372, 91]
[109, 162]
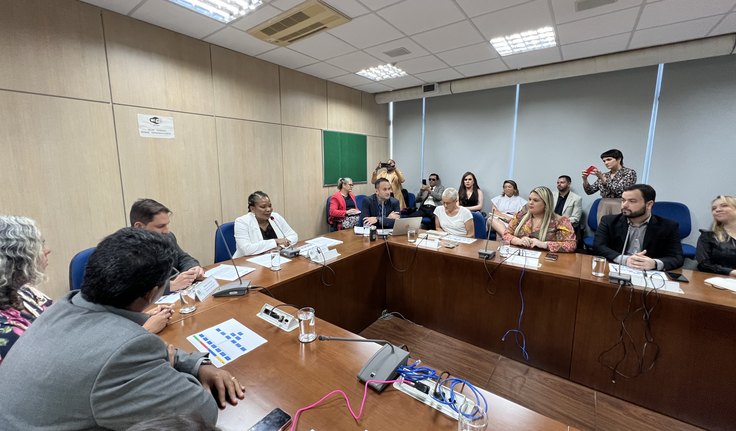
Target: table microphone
[382, 365]
[288, 252]
[622, 279]
[236, 288]
[485, 254]
[383, 233]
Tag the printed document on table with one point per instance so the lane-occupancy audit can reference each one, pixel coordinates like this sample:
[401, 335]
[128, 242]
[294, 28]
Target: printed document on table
[226, 342]
[227, 272]
[321, 241]
[265, 260]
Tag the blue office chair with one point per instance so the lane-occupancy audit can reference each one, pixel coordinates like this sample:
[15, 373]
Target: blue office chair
[680, 213]
[592, 223]
[479, 222]
[359, 200]
[412, 200]
[228, 231]
[327, 214]
[77, 268]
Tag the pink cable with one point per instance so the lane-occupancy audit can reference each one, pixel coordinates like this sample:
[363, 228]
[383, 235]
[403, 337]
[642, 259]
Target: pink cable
[347, 401]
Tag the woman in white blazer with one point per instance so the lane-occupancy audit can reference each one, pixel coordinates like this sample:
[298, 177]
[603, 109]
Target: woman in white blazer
[261, 229]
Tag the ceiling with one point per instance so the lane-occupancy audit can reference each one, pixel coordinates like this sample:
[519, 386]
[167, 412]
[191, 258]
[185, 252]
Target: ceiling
[446, 39]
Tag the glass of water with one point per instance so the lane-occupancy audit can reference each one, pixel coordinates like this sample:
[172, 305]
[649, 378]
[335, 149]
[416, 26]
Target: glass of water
[187, 302]
[307, 329]
[275, 260]
[471, 417]
[599, 266]
[411, 236]
[504, 248]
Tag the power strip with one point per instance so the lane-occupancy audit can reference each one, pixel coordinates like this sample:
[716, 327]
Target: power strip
[427, 399]
[278, 318]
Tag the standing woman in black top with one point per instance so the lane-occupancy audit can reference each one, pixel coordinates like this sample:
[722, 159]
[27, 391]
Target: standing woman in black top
[470, 195]
[717, 247]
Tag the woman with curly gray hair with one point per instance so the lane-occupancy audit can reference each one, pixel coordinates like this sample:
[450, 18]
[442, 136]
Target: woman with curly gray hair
[23, 259]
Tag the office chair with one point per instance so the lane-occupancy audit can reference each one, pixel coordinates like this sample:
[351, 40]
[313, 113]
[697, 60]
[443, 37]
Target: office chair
[680, 213]
[592, 224]
[327, 215]
[479, 222]
[77, 268]
[228, 231]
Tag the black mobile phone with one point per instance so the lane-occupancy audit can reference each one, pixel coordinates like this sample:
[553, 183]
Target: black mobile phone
[677, 277]
[274, 421]
[551, 256]
[424, 182]
[385, 165]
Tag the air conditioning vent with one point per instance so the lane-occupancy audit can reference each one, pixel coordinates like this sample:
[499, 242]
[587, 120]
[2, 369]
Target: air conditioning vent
[301, 21]
[581, 5]
[397, 52]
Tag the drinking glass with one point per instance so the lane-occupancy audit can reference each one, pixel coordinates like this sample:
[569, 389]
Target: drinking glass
[307, 329]
[471, 418]
[411, 236]
[599, 266]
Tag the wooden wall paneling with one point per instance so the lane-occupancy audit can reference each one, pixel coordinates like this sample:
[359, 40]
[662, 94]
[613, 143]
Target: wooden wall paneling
[303, 99]
[245, 87]
[375, 116]
[344, 109]
[304, 201]
[53, 48]
[61, 170]
[181, 173]
[250, 159]
[157, 68]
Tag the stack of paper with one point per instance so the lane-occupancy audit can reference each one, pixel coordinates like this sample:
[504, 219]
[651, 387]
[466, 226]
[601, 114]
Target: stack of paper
[726, 283]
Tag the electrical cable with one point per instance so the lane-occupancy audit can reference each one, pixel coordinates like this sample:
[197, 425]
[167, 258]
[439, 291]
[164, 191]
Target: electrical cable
[498, 265]
[413, 257]
[519, 336]
[325, 266]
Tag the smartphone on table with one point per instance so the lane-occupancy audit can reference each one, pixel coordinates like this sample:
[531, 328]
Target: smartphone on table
[677, 277]
[276, 420]
[551, 256]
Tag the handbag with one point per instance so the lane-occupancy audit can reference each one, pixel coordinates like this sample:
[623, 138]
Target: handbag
[350, 221]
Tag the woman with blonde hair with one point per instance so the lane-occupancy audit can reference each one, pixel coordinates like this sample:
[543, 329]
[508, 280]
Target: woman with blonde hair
[23, 259]
[344, 212]
[539, 226]
[716, 250]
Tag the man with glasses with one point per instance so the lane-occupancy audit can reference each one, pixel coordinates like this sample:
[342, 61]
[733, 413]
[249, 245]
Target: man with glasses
[155, 217]
[87, 363]
[429, 197]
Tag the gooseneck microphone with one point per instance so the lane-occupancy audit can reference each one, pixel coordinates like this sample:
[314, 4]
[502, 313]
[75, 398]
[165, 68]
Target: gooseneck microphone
[485, 254]
[236, 288]
[287, 251]
[384, 233]
[382, 365]
[618, 278]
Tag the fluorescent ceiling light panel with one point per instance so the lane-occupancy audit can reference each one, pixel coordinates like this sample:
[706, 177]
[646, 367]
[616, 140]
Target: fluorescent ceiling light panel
[379, 73]
[220, 10]
[525, 41]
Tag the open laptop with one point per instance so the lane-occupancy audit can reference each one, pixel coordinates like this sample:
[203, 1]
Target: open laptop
[402, 225]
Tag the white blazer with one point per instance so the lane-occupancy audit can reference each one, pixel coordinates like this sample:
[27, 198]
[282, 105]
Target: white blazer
[249, 239]
[573, 208]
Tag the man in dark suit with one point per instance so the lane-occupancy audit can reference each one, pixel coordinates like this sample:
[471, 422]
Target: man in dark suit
[380, 209]
[651, 242]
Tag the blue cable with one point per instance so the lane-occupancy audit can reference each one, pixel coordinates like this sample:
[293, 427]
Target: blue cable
[517, 331]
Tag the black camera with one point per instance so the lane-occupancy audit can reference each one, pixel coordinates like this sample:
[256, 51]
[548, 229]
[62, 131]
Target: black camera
[385, 165]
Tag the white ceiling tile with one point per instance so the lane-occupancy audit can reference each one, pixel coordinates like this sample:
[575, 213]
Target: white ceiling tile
[414, 16]
[403, 82]
[375, 87]
[351, 80]
[533, 58]
[350, 8]
[378, 4]
[323, 70]
[366, 31]
[590, 48]
[322, 46]
[673, 33]
[240, 41]
[355, 61]
[482, 67]
[287, 58]
[414, 50]
[672, 11]
[256, 17]
[596, 27]
[469, 54]
[168, 15]
[529, 16]
[728, 25]
[565, 9]
[285, 4]
[421, 64]
[120, 6]
[452, 36]
[477, 7]
[439, 75]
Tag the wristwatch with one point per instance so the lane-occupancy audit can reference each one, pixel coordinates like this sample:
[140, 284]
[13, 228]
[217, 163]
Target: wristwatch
[205, 361]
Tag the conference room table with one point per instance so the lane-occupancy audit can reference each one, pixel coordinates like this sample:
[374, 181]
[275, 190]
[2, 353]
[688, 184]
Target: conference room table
[567, 321]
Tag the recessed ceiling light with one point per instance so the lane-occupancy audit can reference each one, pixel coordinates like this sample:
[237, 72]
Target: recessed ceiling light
[220, 10]
[525, 41]
[384, 71]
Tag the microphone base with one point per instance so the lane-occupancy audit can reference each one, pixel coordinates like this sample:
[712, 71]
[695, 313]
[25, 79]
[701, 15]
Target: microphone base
[486, 254]
[383, 235]
[382, 366]
[623, 279]
[236, 288]
[289, 252]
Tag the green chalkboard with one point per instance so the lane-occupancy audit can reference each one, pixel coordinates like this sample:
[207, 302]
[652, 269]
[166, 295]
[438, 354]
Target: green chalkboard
[344, 155]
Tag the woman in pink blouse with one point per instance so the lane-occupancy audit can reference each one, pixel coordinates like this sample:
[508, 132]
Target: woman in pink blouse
[539, 227]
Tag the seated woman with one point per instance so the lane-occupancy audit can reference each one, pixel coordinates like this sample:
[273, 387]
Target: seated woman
[470, 195]
[451, 217]
[505, 206]
[261, 229]
[539, 226]
[717, 247]
[23, 259]
[344, 212]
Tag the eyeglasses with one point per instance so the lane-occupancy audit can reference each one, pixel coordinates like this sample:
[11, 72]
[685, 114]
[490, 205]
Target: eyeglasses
[350, 184]
[433, 179]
